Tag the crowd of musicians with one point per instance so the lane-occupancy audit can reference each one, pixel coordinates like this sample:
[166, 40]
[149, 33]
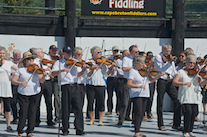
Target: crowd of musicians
[68, 78]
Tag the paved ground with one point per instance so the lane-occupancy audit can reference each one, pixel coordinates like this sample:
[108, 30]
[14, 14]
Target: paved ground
[110, 129]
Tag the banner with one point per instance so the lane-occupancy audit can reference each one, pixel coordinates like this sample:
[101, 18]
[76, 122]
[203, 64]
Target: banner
[135, 8]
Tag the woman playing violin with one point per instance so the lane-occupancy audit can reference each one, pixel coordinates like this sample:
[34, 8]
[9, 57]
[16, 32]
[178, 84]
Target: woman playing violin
[95, 87]
[28, 93]
[188, 94]
[5, 83]
[181, 60]
[139, 91]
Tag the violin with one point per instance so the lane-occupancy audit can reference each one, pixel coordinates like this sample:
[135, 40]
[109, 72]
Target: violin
[46, 61]
[105, 61]
[55, 57]
[70, 62]
[34, 67]
[200, 61]
[168, 57]
[145, 71]
[148, 60]
[117, 57]
[194, 71]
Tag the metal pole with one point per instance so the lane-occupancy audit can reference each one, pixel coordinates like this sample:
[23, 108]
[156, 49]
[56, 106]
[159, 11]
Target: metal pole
[178, 26]
[70, 32]
[50, 4]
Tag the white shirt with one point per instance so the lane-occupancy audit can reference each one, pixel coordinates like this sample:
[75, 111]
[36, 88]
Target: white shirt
[98, 77]
[138, 80]
[164, 67]
[66, 78]
[188, 95]
[120, 72]
[5, 82]
[127, 62]
[113, 72]
[37, 61]
[82, 79]
[33, 86]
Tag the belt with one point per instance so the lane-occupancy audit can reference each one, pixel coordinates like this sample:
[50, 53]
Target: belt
[168, 80]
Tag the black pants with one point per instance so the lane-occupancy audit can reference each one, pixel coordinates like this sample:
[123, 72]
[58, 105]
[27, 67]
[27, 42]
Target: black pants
[14, 102]
[139, 109]
[98, 93]
[28, 108]
[112, 84]
[7, 104]
[190, 111]
[46, 90]
[124, 97]
[82, 89]
[162, 87]
[150, 99]
[71, 95]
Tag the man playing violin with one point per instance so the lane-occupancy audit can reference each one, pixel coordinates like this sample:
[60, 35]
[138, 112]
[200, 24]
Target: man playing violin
[126, 66]
[16, 61]
[70, 93]
[46, 88]
[112, 84]
[52, 56]
[164, 63]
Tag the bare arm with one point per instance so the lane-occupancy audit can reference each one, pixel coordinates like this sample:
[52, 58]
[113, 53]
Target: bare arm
[42, 77]
[15, 81]
[131, 85]
[177, 83]
[14, 67]
[202, 81]
[126, 69]
[55, 73]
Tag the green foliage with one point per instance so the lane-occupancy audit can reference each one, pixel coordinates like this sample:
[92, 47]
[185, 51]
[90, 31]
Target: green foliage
[189, 7]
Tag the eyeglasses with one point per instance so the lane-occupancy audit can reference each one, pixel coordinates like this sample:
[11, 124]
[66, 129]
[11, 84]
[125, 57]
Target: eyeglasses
[136, 52]
[192, 62]
[99, 52]
[181, 56]
[116, 50]
[79, 54]
[29, 58]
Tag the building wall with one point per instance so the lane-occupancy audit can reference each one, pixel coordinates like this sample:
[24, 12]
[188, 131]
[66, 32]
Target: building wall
[24, 42]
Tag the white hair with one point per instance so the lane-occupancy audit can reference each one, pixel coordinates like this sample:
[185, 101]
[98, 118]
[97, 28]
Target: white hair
[189, 57]
[166, 45]
[94, 50]
[138, 59]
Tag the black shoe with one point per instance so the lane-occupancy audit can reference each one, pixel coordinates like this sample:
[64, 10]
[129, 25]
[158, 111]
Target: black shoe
[51, 123]
[9, 129]
[82, 133]
[120, 123]
[128, 119]
[179, 128]
[37, 123]
[14, 121]
[65, 133]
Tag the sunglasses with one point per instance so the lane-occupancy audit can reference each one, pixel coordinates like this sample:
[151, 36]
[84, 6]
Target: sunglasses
[181, 56]
[99, 52]
[29, 58]
[136, 52]
[116, 50]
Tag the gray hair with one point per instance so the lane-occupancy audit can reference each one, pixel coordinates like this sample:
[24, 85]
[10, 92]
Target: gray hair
[188, 50]
[138, 59]
[35, 50]
[94, 50]
[6, 52]
[131, 47]
[166, 45]
[189, 57]
[15, 51]
[79, 48]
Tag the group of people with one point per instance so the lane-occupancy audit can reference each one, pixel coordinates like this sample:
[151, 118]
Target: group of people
[130, 74]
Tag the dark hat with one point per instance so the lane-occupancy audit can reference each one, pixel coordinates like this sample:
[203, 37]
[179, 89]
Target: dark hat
[67, 49]
[149, 53]
[52, 47]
